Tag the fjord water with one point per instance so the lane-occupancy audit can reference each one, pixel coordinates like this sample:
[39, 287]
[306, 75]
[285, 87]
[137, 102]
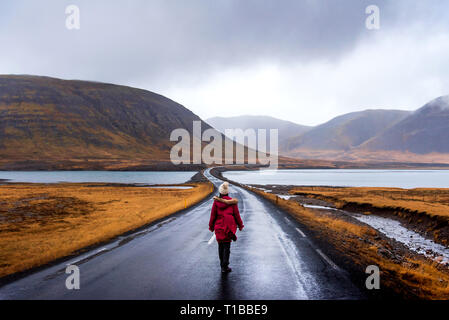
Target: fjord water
[143, 177]
[406, 179]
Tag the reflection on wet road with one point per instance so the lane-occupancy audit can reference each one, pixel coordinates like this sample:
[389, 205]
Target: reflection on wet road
[175, 259]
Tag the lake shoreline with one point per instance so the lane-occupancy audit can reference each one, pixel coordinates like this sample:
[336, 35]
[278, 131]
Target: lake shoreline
[383, 178]
[98, 164]
[136, 178]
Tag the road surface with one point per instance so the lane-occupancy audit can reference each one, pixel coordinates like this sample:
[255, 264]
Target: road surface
[175, 259]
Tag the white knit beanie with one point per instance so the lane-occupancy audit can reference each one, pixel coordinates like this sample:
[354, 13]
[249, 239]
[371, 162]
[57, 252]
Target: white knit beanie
[224, 188]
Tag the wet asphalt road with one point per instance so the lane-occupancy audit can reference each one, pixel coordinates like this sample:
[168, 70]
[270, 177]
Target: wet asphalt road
[272, 259]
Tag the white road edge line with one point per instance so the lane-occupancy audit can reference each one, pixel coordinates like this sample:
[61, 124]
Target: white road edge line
[329, 261]
[300, 232]
[211, 240]
[297, 229]
[86, 257]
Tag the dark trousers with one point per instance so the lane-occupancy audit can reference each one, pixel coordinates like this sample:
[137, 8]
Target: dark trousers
[224, 250]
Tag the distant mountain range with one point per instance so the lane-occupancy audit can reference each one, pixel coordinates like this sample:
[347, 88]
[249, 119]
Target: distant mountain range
[425, 131]
[345, 132]
[286, 129]
[48, 123]
[370, 135]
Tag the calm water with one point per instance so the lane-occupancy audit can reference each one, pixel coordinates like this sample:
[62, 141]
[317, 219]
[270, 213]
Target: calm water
[147, 177]
[345, 178]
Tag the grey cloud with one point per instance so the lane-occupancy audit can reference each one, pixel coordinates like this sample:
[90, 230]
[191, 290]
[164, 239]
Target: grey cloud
[132, 40]
[180, 45]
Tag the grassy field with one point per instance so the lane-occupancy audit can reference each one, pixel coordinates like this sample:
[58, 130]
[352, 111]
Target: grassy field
[433, 202]
[414, 205]
[40, 223]
[361, 246]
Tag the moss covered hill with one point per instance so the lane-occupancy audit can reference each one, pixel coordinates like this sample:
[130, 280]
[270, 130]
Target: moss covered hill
[49, 120]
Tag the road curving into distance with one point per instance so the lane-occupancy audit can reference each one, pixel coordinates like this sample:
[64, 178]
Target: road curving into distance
[175, 259]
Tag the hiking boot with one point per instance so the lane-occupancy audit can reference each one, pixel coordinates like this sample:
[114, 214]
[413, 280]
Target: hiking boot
[226, 270]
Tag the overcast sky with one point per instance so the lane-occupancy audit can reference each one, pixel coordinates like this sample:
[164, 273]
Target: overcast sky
[301, 60]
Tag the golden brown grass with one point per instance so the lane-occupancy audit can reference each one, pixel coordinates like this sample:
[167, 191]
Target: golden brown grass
[433, 202]
[428, 209]
[409, 276]
[40, 223]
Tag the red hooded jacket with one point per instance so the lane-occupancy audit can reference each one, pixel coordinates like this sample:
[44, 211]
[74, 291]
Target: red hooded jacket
[224, 220]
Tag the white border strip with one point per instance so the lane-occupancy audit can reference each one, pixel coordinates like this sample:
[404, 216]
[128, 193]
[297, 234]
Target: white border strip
[329, 261]
[300, 232]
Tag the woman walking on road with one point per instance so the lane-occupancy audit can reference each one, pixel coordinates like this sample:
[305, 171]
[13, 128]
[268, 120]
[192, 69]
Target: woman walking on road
[224, 220]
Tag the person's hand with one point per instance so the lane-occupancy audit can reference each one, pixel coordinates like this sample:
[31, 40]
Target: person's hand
[217, 198]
